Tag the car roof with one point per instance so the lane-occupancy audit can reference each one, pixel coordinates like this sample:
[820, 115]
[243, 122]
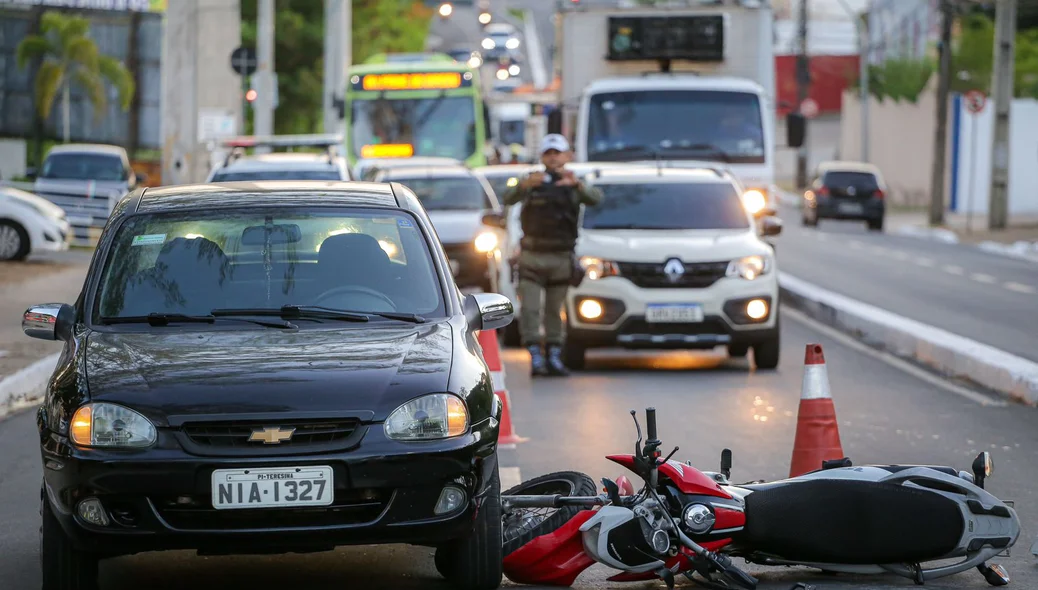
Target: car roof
[847, 166]
[88, 148]
[654, 175]
[676, 81]
[426, 172]
[384, 163]
[503, 170]
[283, 161]
[268, 193]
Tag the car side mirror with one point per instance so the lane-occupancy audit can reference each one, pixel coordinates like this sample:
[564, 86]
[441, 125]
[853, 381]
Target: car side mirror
[488, 311]
[796, 129]
[49, 321]
[495, 219]
[770, 226]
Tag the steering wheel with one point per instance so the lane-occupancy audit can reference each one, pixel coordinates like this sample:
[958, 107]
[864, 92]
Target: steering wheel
[356, 289]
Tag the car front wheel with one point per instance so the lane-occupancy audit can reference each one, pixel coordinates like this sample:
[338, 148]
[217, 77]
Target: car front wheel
[63, 566]
[475, 562]
[14, 241]
[766, 353]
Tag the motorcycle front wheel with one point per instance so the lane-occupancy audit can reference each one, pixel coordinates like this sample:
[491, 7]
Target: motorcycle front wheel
[522, 525]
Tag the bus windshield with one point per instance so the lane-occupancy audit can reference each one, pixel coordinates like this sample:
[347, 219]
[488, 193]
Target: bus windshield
[676, 124]
[443, 126]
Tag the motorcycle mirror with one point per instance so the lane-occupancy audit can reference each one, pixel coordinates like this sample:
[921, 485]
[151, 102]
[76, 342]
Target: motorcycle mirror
[726, 463]
[983, 467]
[637, 427]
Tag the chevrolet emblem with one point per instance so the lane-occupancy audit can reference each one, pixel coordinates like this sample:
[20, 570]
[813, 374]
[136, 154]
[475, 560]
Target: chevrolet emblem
[271, 435]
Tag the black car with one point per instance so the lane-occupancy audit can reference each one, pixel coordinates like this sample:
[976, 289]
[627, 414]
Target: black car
[268, 368]
[846, 190]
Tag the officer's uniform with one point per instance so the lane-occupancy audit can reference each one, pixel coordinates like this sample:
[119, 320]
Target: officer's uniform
[550, 219]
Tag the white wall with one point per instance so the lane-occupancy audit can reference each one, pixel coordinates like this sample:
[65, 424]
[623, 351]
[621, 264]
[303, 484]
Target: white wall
[973, 158]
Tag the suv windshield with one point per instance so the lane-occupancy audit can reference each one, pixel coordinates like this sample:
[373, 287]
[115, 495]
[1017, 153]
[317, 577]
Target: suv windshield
[667, 206]
[192, 262]
[277, 175]
[447, 193]
[69, 166]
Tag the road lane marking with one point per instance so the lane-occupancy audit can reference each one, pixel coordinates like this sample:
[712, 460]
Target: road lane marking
[982, 278]
[1018, 287]
[955, 270]
[890, 359]
[924, 262]
[510, 477]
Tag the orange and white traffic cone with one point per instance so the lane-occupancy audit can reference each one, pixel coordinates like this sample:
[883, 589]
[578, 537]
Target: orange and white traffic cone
[492, 354]
[818, 433]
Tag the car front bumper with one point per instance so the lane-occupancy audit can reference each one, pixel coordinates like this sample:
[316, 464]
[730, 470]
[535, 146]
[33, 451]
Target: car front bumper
[161, 498]
[623, 323]
[54, 236]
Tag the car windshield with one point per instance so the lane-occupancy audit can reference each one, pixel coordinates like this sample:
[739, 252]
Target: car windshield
[513, 132]
[447, 193]
[859, 180]
[83, 167]
[192, 262]
[676, 124]
[277, 175]
[501, 184]
[679, 206]
[443, 126]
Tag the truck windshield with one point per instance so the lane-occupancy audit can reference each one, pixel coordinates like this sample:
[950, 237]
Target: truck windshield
[674, 206]
[437, 126]
[676, 124]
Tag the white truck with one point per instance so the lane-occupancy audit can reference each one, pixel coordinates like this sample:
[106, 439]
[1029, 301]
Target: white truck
[675, 82]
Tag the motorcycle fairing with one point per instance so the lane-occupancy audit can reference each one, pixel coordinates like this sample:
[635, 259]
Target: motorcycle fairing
[613, 536]
[688, 479]
[554, 559]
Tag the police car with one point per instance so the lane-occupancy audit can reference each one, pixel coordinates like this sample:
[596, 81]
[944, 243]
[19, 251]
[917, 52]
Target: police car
[674, 260]
[237, 166]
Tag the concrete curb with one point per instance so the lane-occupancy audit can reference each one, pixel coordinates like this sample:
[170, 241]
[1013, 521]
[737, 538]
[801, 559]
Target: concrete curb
[26, 387]
[936, 234]
[1022, 250]
[949, 354]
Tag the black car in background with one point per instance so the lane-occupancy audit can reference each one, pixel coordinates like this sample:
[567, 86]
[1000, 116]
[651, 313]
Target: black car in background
[267, 368]
[846, 190]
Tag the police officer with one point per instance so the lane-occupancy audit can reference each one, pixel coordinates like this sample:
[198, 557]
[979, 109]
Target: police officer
[550, 210]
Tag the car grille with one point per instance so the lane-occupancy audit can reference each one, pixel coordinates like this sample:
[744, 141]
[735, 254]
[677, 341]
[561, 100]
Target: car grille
[640, 326]
[350, 507]
[235, 434]
[650, 275]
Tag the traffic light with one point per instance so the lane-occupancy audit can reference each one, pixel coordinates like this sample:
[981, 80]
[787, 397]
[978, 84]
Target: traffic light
[250, 95]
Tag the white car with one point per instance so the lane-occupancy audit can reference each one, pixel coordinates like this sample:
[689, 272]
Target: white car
[673, 260]
[30, 224]
[238, 167]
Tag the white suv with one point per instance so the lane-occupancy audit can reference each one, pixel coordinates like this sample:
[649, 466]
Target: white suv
[673, 260]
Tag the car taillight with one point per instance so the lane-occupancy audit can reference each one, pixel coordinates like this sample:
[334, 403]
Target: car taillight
[878, 194]
[824, 191]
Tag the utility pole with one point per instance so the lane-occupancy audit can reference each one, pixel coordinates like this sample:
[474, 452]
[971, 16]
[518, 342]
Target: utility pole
[263, 116]
[1002, 89]
[338, 45]
[941, 137]
[864, 44]
[803, 87]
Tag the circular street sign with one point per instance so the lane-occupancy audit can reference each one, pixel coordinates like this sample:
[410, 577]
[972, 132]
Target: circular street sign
[975, 101]
[243, 61]
[809, 108]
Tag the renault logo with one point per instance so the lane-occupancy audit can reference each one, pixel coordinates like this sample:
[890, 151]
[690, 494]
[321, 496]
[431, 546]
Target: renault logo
[271, 435]
[674, 269]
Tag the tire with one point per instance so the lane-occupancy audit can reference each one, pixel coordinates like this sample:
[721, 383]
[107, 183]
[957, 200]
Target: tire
[14, 241]
[511, 335]
[809, 222]
[475, 562]
[63, 566]
[574, 355]
[738, 350]
[875, 224]
[766, 354]
[569, 483]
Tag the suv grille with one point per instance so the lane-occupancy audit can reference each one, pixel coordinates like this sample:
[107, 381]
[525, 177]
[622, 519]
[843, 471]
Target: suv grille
[236, 433]
[650, 275]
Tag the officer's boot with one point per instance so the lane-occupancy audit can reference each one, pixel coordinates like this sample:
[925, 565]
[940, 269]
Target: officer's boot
[538, 365]
[555, 364]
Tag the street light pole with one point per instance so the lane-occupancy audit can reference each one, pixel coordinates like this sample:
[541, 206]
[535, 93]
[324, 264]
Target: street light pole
[1002, 88]
[941, 136]
[263, 113]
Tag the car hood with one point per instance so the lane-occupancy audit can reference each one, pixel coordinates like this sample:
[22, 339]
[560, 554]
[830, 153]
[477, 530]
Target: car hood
[659, 245]
[35, 201]
[456, 227]
[357, 370]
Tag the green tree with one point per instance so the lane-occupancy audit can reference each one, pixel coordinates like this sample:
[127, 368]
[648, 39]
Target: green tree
[70, 56]
[899, 79]
[973, 58]
[382, 26]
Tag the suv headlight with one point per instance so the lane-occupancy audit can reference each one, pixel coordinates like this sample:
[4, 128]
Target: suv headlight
[109, 425]
[749, 267]
[485, 242]
[755, 201]
[430, 417]
[596, 268]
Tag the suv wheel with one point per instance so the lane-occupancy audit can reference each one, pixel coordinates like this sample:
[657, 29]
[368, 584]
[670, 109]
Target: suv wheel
[766, 353]
[738, 350]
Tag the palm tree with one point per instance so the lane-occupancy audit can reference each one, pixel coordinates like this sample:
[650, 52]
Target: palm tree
[69, 55]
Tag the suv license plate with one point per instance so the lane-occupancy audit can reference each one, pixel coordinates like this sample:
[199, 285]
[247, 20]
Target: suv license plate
[676, 313]
[286, 487]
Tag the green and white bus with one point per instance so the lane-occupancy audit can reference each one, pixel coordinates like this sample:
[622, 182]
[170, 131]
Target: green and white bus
[404, 105]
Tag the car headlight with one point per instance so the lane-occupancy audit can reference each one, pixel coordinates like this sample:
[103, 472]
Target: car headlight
[109, 425]
[488, 43]
[596, 268]
[754, 201]
[512, 43]
[485, 242]
[749, 267]
[430, 417]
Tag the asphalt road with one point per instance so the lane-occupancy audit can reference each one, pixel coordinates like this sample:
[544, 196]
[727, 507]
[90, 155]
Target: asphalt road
[705, 403]
[463, 31]
[986, 297]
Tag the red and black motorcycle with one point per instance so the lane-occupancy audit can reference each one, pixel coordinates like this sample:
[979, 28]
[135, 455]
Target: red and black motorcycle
[841, 518]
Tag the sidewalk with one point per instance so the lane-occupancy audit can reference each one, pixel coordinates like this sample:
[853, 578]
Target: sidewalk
[1019, 239]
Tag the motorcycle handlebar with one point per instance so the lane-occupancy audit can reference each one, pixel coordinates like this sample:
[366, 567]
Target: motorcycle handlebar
[650, 423]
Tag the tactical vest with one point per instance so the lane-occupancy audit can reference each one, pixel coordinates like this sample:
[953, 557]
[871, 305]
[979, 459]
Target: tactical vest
[549, 219]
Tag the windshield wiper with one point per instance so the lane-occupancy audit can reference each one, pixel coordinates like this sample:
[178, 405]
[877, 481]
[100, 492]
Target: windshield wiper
[165, 319]
[317, 312]
[390, 315]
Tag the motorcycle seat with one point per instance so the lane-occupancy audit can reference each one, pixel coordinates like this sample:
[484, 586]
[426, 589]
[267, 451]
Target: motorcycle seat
[852, 522]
